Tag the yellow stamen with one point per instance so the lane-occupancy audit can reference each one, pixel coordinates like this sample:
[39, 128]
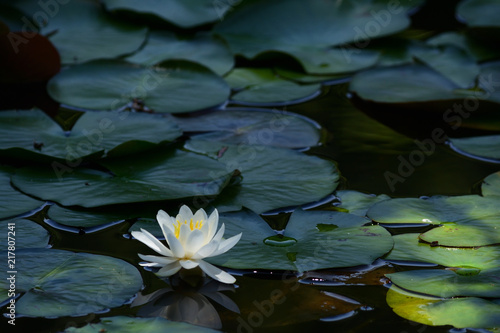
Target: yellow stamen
[177, 226]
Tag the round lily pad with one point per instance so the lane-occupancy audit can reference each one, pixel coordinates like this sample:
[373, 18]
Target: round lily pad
[110, 85]
[308, 30]
[408, 248]
[253, 126]
[13, 202]
[482, 147]
[449, 283]
[271, 177]
[464, 209]
[33, 133]
[481, 233]
[202, 49]
[23, 234]
[479, 13]
[491, 185]
[470, 312]
[258, 86]
[311, 240]
[82, 31]
[186, 14]
[358, 203]
[171, 174]
[56, 283]
[124, 324]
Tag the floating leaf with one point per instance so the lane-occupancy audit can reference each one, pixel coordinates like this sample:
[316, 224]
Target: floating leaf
[81, 31]
[491, 185]
[110, 85]
[477, 48]
[57, 283]
[263, 86]
[254, 126]
[451, 62]
[470, 312]
[271, 177]
[408, 248]
[482, 147]
[13, 202]
[479, 13]
[33, 133]
[358, 203]
[458, 235]
[22, 234]
[308, 30]
[172, 174]
[448, 283]
[202, 49]
[185, 14]
[304, 247]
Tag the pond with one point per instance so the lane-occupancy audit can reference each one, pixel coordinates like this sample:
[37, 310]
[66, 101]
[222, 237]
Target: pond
[352, 144]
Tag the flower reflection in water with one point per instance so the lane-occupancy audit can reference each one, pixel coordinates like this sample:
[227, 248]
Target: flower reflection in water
[187, 299]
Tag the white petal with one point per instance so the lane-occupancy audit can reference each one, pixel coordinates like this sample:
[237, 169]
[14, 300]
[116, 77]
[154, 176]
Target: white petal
[184, 214]
[165, 222]
[200, 215]
[194, 241]
[188, 264]
[169, 269]
[218, 236]
[145, 237]
[159, 260]
[206, 251]
[184, 233]
[216, 273]
[175, 246]
[213, 222]
[227, 244]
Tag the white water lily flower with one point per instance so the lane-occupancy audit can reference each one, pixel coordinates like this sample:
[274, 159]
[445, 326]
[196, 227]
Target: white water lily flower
[190, 238]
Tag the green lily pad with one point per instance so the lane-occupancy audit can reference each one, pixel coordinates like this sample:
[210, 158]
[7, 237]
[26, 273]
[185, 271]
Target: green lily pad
[478, 49]
[57, 283]
[84, 218]
[125, 324]
[202, 49]
[262, 86]
[491, 185]
[308, 30]
[470, 312]
[110, 85]
[309, 78]
[418, 83]
[464, 209]
[304, 247]
[479, 13]
[172, 174]
[447, 283]
[459, 235]
[469, 220]
[408, 248]
[13, 202]
[271, 177]
[451, 62]
[358, 203]
[33, 133]
[482, 147]
[409, 83]
[186, 14]
[24, 234]
[255, 126]
[82, 31]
